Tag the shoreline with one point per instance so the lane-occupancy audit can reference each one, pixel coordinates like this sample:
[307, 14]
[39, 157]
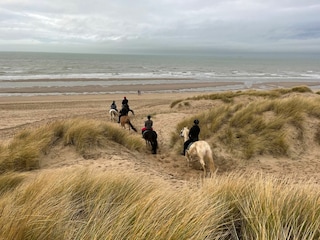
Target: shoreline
[151, 88]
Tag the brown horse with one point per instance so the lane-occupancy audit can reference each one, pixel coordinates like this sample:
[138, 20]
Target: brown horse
[126, 120]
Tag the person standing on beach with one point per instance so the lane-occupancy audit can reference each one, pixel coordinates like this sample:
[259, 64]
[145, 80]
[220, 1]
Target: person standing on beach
[193, 135]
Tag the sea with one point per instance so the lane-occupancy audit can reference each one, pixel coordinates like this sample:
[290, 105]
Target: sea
[54, 70]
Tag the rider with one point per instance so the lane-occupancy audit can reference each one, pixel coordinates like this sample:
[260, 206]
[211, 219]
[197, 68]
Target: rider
[126, 105]
[123, 112]
[114, 106]
[193, 135]
[125, 101]
[147, 124]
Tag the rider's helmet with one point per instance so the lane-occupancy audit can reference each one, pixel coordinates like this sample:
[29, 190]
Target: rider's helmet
[148, 116]
[196, 121]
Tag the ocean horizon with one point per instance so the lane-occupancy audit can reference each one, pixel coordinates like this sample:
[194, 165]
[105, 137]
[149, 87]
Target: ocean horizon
[30, 70]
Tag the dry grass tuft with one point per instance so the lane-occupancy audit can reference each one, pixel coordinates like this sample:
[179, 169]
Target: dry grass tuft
[25, 151]
[87, 204]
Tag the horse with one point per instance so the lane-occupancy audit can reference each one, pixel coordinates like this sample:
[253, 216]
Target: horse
[113, 114]
[126, 120]
[151, 137]
[200, 149]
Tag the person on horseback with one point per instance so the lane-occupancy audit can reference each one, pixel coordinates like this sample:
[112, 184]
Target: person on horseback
[147, 124]
[123, 112]
[114, 106]
[193, 135]
[125, 101]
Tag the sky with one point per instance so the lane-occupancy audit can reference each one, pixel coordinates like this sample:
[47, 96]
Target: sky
[160, 26]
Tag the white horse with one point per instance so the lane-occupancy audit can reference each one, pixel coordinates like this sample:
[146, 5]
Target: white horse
[113, 115]
[200, 149]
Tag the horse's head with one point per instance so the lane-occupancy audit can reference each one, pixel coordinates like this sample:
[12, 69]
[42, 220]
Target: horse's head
[181, 133]
[184, 132]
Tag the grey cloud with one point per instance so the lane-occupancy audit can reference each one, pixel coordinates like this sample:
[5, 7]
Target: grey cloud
[125, 24]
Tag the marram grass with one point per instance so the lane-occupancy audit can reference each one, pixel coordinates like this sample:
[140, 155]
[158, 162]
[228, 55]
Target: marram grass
[25, 150]
[258, 127]
[90, 204]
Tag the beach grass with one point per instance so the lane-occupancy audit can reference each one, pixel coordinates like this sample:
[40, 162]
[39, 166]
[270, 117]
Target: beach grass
[269, 125]
[24, 152]
[90, 204]
[87, 203]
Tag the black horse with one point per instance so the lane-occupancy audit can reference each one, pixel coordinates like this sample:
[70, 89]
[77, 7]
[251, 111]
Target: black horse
[151, 137]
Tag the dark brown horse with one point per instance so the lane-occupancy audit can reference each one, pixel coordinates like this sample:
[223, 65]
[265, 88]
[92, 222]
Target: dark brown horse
[151, 137]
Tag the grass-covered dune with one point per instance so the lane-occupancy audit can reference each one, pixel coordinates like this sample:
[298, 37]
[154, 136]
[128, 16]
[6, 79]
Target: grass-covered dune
[92, 203]
[245, 124]
[86, 204]
[26, 150]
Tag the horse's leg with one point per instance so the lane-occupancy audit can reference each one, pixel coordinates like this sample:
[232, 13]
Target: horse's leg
[129, 124]
[203, 165]
[210, 163]
[154, 149]
[188, 157]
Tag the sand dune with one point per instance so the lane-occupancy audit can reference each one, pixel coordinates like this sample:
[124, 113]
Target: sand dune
[18, 113]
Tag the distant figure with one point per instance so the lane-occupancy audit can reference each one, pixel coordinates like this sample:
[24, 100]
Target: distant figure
[114, 106]
[125, 101]
[139, 93]
[193, 135]
[147, 124]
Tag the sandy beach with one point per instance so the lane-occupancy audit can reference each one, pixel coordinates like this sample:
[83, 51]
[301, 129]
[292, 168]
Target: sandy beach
[148, 87]
[19, 113]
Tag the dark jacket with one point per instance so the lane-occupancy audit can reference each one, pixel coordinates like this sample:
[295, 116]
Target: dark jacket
[124, 111]
[113, 106]
[194, 133]
[125, 101]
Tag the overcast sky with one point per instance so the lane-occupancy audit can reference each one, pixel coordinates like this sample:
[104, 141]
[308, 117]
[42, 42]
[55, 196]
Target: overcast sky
[138, 26]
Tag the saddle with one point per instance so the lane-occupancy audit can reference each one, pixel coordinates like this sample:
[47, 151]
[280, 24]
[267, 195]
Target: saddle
[145, 131]
[189, 145]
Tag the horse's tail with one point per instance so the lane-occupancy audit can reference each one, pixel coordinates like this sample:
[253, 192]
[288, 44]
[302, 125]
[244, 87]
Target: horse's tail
[134, 129]
[154, 143]
[154, 146]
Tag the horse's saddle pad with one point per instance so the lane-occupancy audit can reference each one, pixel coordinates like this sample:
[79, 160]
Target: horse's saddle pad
[145, 131]
[189, 145]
